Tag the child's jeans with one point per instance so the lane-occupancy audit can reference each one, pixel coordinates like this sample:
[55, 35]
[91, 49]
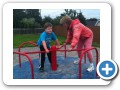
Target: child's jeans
[86, 43]
[43, 56]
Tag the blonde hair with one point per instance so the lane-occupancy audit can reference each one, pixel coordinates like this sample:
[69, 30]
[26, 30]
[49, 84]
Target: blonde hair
[66, 19]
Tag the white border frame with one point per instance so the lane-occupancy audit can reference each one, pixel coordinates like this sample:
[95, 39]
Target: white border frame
[105, 41]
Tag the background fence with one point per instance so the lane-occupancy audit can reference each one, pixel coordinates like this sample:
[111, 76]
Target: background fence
[27, 30]
[58, 30]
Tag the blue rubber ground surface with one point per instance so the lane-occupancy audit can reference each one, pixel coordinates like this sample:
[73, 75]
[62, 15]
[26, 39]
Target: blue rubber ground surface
[66, 70]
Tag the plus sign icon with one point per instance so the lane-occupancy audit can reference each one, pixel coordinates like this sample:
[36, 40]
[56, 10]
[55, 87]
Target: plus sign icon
[107, 69]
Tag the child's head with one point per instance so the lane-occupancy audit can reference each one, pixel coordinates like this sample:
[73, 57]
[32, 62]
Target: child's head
[48, 27]
[65, 21]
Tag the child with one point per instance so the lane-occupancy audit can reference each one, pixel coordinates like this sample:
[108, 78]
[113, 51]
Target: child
[44, 43]
[79, 35]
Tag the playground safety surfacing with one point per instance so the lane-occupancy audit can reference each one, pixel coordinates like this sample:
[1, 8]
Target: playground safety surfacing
[66, 70]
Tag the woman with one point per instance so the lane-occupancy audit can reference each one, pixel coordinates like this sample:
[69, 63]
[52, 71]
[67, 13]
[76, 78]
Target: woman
[79, 35]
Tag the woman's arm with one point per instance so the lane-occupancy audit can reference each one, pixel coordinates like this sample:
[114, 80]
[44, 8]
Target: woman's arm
[58, 44]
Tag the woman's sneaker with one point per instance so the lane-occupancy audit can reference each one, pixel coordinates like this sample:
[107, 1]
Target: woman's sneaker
[90, 68]
[76, 61]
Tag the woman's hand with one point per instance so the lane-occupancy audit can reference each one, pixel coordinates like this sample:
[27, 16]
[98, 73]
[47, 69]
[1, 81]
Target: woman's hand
[69, 49]
[64, 44]
[59, 46]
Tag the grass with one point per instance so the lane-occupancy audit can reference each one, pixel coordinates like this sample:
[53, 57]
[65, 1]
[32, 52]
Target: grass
[96, 45]
[19, 39]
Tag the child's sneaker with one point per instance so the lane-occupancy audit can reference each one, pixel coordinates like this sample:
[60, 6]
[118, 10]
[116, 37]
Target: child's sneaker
[90, 68]
[41, 69]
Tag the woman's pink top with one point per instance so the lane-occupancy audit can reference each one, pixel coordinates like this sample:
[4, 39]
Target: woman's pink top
[76, 31]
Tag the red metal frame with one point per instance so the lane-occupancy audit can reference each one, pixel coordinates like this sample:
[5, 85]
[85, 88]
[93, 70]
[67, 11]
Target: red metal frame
[80, 61]
[21, 45]
[30, 61]
[53, 58]
[65, 51]
[53, 51]
[81, 56]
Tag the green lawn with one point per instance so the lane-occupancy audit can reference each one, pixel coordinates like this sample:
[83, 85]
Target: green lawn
[18, 39]
[96, 45]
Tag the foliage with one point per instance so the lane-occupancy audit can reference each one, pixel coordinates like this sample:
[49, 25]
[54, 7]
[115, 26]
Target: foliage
[32, 18]
[24, 15]
[28, 22]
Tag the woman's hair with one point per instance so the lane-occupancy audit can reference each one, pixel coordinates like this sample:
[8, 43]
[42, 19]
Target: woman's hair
[66, 19]
[47, 24]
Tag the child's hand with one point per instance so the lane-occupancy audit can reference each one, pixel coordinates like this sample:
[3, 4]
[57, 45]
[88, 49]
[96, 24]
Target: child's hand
[47, 51]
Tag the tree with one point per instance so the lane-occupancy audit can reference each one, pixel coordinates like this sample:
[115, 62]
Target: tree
[81, 17]
[47, 19]
[70, 12]
[34, 13]
[56, 21]
[28, 23]
[74, 15]
[18, 15]
[92, 19]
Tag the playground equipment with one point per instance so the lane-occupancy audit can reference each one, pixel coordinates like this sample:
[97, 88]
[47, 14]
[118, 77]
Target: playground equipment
[54, 51]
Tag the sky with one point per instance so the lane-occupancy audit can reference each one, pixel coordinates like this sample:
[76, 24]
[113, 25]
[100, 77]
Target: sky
[88, 13]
